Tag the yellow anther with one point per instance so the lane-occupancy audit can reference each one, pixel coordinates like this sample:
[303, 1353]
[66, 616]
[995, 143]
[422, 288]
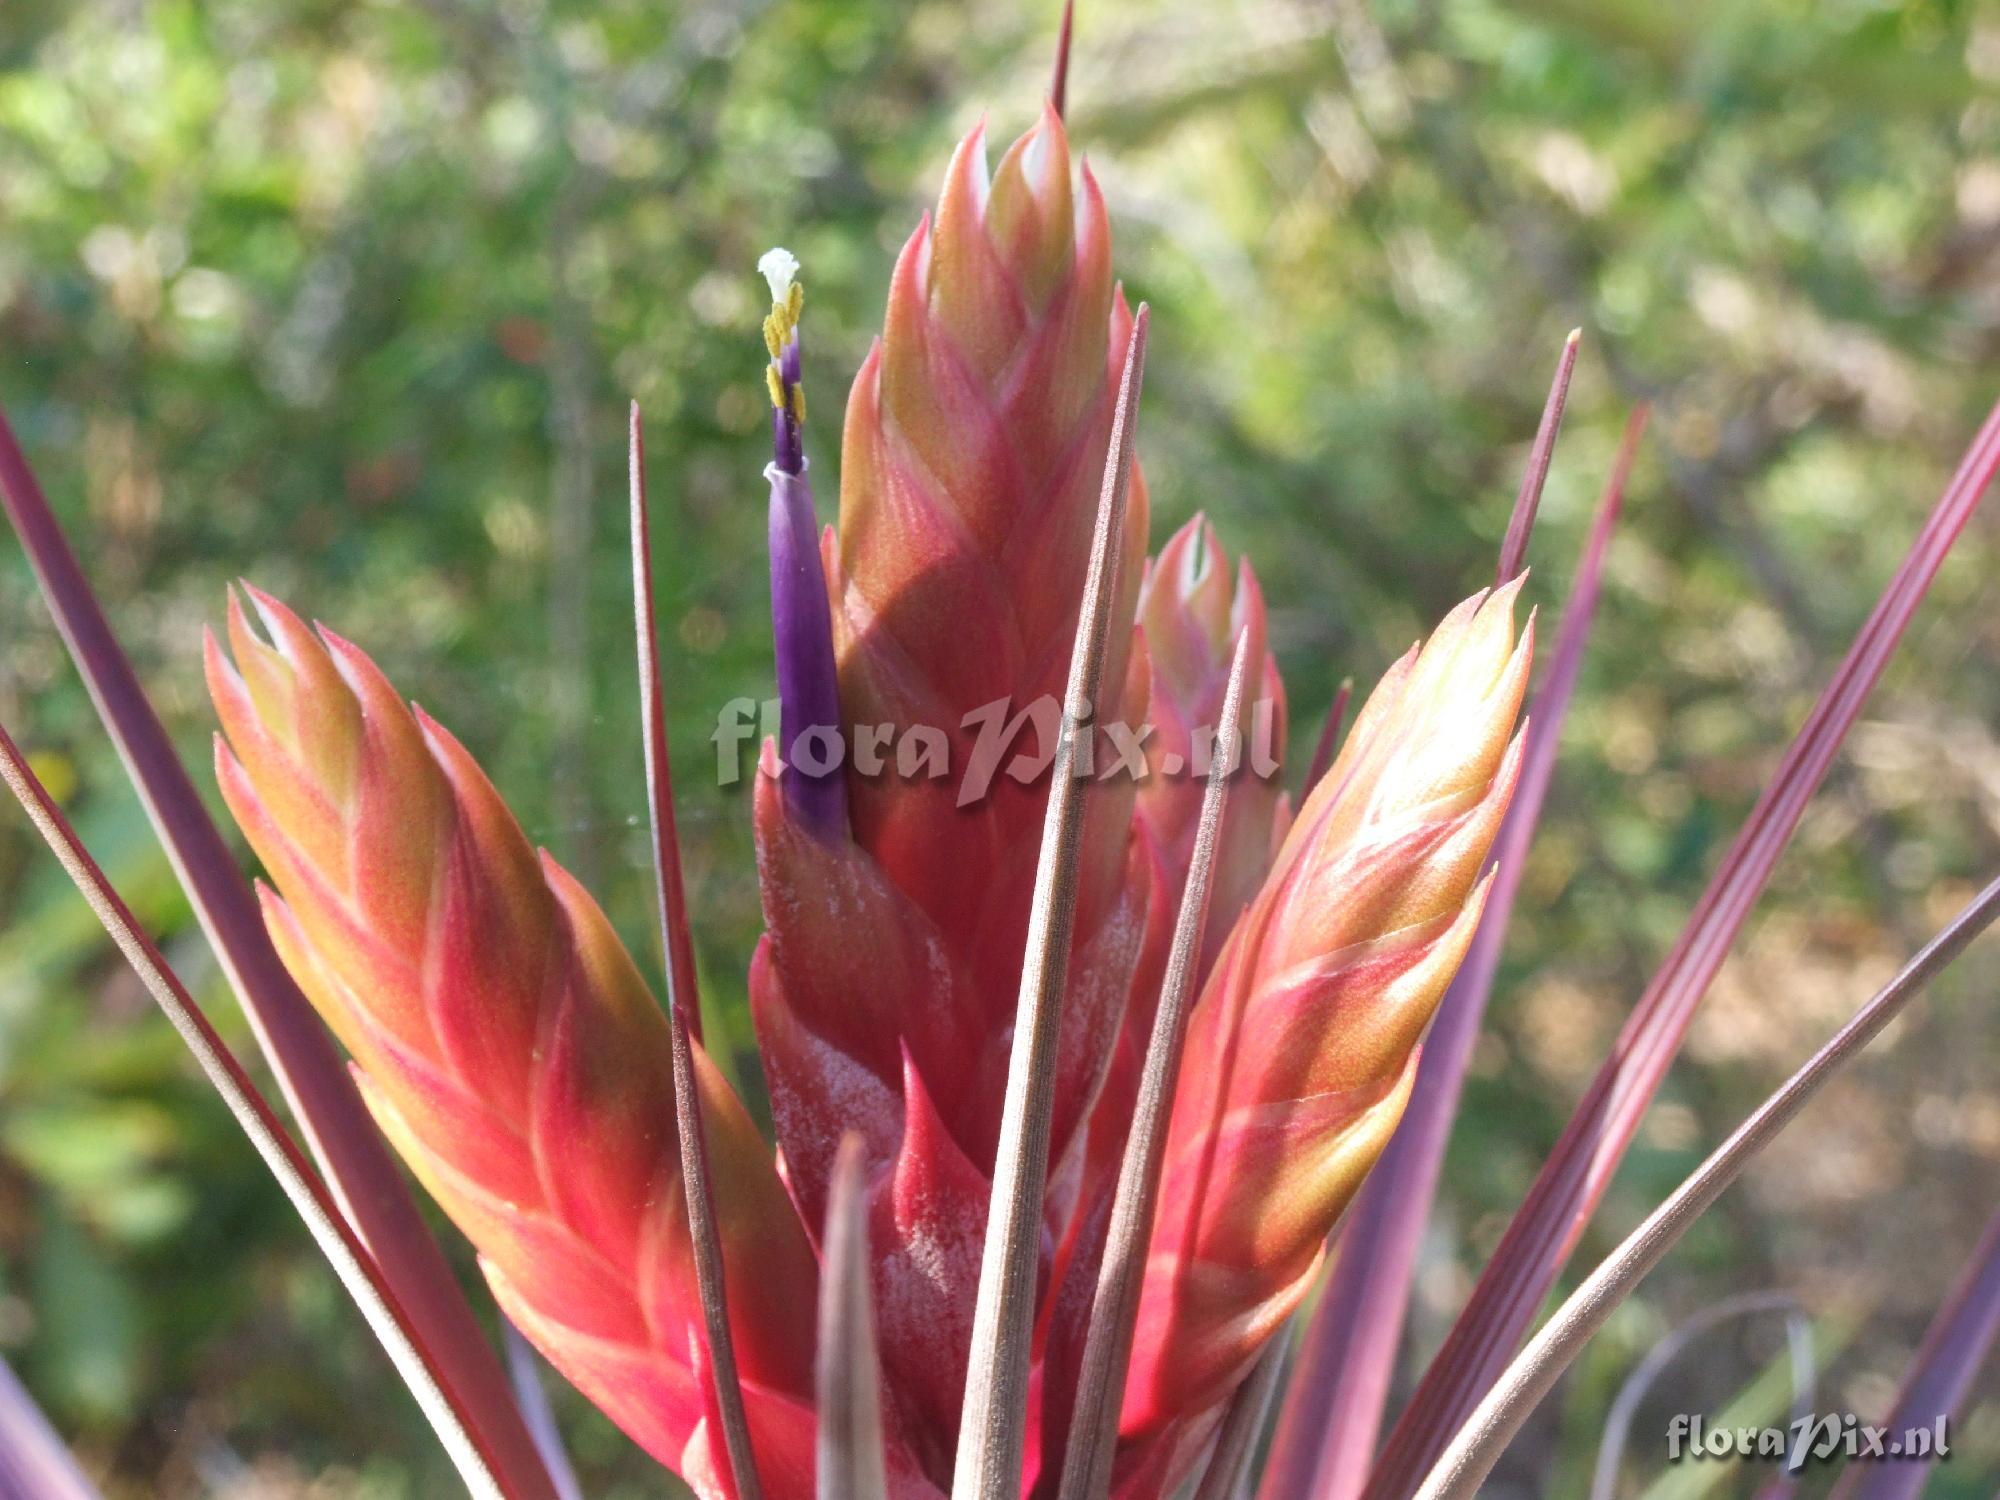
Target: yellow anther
[788, 300]
[784, 319]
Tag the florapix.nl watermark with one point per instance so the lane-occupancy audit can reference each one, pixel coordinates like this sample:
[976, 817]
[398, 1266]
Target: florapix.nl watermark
[1806, 1440]
[993, 740]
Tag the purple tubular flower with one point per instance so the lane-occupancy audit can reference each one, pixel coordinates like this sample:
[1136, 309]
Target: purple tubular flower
[801, 624]
[802, 635]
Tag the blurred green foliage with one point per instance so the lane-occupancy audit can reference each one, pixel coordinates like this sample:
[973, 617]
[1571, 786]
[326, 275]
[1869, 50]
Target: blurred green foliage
[346, 296]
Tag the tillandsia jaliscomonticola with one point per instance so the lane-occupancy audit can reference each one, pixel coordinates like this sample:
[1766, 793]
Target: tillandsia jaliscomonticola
[509, 1048]
[1079, 1038]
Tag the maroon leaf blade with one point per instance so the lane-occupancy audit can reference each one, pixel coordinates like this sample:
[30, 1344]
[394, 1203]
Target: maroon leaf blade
[1513, 547]
[34, 1463]
[322, 1098]
[1538, 1241]
[1956, 1344]
[524, 1374]
[1329, 738]
[1059, 80]
[1528, 501]
[683, 1004]
[1479, 1443]
[1332, 1415]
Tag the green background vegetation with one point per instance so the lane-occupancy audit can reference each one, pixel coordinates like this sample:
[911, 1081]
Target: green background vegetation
[347, 298]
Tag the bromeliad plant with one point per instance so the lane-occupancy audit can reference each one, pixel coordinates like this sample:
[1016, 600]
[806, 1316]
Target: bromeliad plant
[1075, 1074]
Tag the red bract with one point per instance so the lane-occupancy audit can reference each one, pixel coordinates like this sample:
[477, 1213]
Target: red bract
[507, 1046]
[1192, 607]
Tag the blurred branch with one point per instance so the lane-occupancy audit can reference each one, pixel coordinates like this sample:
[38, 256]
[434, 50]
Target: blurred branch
[1678, 36]
[1219, 78]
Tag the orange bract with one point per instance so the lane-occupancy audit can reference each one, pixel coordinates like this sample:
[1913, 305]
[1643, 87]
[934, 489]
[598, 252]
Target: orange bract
[1303, 1046]
[507, 1045]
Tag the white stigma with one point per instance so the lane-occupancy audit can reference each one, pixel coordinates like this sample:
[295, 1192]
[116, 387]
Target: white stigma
[779, 267]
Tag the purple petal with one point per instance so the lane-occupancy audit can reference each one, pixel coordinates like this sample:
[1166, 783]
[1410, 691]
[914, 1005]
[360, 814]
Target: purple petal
[802, 635]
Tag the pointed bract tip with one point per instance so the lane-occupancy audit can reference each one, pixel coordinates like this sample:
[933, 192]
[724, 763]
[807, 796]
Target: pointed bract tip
[1502, 596]
[273, 611]
[339, 647]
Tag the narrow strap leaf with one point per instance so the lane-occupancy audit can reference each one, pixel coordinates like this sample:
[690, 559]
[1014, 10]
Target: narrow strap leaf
[1332, 1415]
[1520, 1388]
[1107, 1350]
[1329, 738]
[1236, 1440]
[1956, 1344]
[1646, 1374]
[683, 1003]
[1758, 1403]
[850, 1462]
[994, 1423]
[1580, 1167]
[34, 1464]
[1059, 82]
[1521, 524]
[524, 1374]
